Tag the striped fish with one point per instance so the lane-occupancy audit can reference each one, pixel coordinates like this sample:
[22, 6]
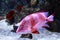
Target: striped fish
[33, 22]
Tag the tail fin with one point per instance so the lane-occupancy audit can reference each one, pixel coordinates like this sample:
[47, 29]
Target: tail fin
[51, 18]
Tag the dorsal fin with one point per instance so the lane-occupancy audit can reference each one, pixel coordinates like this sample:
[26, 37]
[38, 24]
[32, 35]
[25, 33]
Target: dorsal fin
[45, 13]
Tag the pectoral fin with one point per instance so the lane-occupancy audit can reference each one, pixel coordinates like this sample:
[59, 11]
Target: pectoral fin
[34, 31]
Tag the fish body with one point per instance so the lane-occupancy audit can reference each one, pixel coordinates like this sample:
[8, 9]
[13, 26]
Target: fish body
[33, 22]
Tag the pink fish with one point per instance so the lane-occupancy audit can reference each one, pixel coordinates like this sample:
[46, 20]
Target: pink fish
[33, 22]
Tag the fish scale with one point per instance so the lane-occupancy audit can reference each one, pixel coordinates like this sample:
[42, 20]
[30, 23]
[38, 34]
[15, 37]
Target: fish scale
[35, 21]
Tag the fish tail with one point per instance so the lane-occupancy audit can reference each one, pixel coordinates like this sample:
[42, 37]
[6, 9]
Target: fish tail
[51, 18]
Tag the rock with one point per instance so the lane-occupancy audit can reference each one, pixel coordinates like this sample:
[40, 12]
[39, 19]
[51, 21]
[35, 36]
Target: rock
[1, 17]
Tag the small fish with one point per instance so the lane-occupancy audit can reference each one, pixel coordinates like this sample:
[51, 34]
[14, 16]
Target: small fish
[10, 14]
[33, 22]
